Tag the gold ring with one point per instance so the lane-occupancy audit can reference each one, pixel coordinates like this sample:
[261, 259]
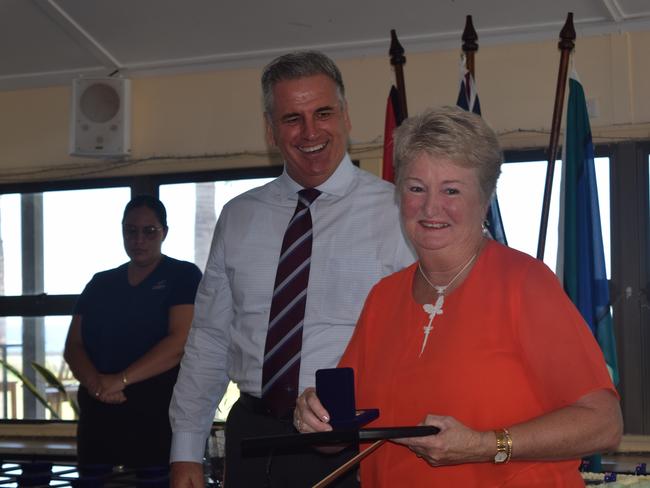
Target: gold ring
[96, 393]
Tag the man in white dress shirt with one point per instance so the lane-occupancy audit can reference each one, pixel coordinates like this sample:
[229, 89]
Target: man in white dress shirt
[357, 240]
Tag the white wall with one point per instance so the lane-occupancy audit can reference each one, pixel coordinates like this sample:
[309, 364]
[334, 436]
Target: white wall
[219, 113]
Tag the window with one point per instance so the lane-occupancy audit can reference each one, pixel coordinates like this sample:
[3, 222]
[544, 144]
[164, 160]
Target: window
[38, 339]
[520, 191]
[82, 235]
[52, 244]
[193, 210]
[73, 225]
[11, 249]
[53, 240]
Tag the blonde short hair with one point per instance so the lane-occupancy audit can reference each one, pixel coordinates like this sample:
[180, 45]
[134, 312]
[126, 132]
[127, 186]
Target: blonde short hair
[451, 133]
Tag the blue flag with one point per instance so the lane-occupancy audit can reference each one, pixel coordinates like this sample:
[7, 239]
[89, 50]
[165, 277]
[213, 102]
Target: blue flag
[468, 100]
[581, 258]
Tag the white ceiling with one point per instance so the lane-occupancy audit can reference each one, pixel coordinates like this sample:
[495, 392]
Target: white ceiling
[48, 42]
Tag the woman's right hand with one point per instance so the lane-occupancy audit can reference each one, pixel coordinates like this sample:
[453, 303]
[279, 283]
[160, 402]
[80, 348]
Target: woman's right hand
[454, 444]
[309, 414]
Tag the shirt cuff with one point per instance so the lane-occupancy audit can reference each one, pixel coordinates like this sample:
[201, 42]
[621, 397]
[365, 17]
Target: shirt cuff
[187, 446]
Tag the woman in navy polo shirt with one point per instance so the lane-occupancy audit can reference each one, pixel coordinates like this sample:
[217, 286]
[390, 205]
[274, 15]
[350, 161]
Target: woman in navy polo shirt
[125, 343]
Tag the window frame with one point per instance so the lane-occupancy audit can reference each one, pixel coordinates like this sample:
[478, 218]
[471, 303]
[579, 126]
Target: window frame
[630, 284]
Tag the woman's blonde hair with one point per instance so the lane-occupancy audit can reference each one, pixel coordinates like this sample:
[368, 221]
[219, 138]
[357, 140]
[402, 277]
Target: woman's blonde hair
[451, 133]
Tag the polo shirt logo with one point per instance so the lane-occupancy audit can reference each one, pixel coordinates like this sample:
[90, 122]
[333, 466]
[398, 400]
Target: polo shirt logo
[160, 285]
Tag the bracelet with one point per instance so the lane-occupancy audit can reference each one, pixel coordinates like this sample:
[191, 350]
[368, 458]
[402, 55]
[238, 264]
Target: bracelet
[504, 446]
[509, 444]
[124, 380]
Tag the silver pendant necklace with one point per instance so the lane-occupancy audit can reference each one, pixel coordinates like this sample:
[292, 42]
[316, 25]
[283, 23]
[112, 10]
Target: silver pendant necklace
[433, 310]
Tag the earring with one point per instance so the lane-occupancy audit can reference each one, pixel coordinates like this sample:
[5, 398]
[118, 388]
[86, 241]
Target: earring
[484, 228]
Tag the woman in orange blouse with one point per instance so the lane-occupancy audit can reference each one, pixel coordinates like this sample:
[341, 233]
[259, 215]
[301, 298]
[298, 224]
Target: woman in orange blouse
[475, 338]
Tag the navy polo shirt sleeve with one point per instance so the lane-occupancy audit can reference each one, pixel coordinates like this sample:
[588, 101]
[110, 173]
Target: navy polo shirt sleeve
[185, 284]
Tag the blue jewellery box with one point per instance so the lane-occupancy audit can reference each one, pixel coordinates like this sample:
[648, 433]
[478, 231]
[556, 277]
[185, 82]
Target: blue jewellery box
[335, 390]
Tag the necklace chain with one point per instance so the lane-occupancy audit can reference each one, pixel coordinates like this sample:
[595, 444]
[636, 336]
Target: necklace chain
[433, 310]
[442, 289]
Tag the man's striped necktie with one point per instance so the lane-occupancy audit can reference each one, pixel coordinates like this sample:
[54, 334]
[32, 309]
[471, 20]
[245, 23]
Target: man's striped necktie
[284, 338]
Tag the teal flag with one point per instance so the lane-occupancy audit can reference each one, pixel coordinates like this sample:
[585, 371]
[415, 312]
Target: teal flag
[581, 259]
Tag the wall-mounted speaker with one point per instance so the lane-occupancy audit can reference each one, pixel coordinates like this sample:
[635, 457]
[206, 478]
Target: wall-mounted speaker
[101, 117]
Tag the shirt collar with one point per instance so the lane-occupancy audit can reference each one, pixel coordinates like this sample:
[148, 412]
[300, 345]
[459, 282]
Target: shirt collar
[337, 184]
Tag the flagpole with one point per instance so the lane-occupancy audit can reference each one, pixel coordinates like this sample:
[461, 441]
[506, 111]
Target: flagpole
[470, 44]
[398, 60]
[566, 45]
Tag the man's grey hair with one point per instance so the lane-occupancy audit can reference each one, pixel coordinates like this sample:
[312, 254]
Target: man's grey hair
[296, 65]
[451, 133]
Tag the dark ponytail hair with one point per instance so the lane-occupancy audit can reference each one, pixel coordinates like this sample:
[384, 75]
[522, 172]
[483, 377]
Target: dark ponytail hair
[151, 203]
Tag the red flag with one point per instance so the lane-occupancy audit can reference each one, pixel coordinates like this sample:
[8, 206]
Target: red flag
[393, 119]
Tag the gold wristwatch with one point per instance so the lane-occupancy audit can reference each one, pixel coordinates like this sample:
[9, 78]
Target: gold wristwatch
[504, 446]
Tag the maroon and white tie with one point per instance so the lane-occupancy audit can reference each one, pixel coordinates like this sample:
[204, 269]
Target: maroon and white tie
[284, 338]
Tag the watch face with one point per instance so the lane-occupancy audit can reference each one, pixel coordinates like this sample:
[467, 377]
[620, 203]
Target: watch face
[500, 457]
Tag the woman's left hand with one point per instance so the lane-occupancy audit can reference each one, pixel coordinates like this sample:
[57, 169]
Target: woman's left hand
[454, 444]
[109, 385]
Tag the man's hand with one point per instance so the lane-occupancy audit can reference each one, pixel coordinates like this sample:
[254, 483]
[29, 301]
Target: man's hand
[186, 475]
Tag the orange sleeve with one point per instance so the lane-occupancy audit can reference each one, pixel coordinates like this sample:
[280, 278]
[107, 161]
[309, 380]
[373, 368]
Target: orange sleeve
[558, 347]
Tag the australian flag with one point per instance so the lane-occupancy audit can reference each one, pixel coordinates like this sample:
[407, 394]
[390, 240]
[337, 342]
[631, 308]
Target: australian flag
[468, 100]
